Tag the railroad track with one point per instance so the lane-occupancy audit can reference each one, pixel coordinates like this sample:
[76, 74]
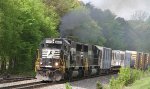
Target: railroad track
[40, 84]
[32, 85]
[9, 80]
[22, 86]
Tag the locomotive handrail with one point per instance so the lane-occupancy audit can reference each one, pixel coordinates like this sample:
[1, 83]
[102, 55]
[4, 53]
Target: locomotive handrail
[37, 62]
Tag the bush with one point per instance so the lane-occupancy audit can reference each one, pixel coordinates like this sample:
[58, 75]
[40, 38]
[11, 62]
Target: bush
[147, 72]
[115, 84]
[68, 86]
[99, 85]
[112, 83]
[126, 76]
[135, 74]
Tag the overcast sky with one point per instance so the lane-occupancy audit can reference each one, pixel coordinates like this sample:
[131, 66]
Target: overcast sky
[122, 8]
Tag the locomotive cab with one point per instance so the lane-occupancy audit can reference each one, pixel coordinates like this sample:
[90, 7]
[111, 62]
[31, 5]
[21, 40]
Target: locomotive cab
[50, 54]
[50, 60]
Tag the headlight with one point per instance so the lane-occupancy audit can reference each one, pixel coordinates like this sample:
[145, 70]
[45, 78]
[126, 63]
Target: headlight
[56, 63]
[41, 63]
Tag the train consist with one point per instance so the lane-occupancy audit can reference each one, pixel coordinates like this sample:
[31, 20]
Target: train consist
[61, 58]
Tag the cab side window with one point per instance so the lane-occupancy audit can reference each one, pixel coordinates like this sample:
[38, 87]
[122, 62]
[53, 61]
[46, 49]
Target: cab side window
[85, 48]
[78, 47]
[42, 45]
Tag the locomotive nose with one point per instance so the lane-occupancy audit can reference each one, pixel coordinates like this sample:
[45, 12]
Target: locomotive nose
[49, 75]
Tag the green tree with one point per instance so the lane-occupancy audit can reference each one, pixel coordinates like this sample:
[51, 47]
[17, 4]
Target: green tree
[23, 24]
[115, 30]
[62, 6]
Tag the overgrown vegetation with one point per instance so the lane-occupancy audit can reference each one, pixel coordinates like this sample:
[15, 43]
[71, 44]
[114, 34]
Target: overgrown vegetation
[104, 28]
[126, 77]
[99, 85]
[140, 84]
[23, 24]
[68, 86]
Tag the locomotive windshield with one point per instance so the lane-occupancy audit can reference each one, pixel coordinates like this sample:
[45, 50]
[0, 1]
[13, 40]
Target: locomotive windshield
[53, 46]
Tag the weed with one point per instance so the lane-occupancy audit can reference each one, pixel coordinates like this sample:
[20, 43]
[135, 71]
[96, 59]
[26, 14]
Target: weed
[99, 85]
[68, 86]
[126, 76]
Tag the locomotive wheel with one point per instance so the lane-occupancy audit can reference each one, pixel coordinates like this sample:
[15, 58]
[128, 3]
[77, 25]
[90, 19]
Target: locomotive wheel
[81, 73]
[107, 71]
[68, 74]
[98, 71]
[90, 70]
[57, 76]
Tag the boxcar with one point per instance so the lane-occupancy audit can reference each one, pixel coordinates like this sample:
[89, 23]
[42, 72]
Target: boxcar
[104, 59]
[145, 61]
[127, 61]
[133, 58]
[139, 60]
[149, 60]
[116, 59]
[120, 58]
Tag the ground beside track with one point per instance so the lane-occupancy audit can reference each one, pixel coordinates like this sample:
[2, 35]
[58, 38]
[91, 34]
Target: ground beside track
[143, 83]
[83, 84]
[89, 83]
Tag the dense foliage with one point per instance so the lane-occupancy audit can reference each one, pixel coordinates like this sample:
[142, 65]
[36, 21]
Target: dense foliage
[122, 34]
[99, 85]
[103, 26]
[125, 77]
[68, 86]
[62, 6]
[141, 34]
[23, 24]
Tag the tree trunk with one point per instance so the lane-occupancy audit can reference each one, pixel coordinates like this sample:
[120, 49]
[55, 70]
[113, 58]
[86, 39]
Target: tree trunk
[3, 65]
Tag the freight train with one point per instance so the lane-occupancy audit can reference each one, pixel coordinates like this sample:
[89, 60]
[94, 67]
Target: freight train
[61, 58]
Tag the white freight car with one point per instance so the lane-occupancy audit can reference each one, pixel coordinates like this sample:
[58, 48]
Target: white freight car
[104, 60]
[116, 58]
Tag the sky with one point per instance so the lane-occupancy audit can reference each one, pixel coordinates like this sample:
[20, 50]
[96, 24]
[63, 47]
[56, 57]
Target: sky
[122, 8]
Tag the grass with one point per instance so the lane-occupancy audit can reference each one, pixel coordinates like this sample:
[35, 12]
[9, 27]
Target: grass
[143, 83]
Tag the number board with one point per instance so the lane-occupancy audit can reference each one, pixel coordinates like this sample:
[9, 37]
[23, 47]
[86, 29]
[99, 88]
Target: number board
[58, 42]
[49, 41]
